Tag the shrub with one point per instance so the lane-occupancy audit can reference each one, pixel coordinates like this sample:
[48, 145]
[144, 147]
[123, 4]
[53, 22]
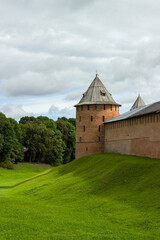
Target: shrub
[7, 164]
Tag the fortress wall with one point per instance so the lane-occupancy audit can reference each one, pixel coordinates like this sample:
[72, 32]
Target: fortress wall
[90, 134]
[88, 148]
[136, 136]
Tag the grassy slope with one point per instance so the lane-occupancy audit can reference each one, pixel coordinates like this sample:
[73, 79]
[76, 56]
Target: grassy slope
[20, 172]
[105, 196]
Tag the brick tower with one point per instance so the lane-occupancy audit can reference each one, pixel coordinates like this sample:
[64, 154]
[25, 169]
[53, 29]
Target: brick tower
[95, 107]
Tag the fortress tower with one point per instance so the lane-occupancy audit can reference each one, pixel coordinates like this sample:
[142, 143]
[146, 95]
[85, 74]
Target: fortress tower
[95, 107]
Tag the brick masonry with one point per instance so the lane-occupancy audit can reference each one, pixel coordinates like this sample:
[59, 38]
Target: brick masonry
[90, 132]
[136, 136]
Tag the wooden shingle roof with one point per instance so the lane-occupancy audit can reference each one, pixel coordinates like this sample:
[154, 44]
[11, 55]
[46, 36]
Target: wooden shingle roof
[138, 103]
[97, 94]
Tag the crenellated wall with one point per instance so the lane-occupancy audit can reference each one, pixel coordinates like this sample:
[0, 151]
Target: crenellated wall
[136, 136]
[90, 128]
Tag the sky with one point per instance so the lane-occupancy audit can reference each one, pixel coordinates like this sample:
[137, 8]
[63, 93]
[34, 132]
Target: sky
[50, 51]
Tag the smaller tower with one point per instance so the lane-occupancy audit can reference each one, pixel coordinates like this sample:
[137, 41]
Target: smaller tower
[95, 107]
[138, 103]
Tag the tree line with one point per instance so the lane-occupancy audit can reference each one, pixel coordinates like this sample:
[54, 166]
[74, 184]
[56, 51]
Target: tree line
[40, 140]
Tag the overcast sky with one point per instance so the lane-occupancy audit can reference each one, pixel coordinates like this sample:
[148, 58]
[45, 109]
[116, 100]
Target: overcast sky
[50, 51]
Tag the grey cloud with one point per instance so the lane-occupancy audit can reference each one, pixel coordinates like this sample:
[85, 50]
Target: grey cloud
[56, 46]
[37, 83]
[14, 111]
[75, 95]
[54, 110]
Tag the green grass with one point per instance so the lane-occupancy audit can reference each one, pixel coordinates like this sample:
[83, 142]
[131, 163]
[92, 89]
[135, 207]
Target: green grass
[104, 196]
[20, 172]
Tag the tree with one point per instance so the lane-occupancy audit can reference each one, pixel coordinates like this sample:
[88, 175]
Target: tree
[26, 119]
[68, 136]
[10, 146]
[38, 139]
[72, 121]
[43, 144]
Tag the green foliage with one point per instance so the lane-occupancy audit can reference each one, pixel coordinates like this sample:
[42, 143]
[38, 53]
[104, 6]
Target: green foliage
[26, 119]
[48, 141]
[43, 118]
[7, 164]
[43, 144]
[68, 136]
[72, 121]
[10, 145]
[103, 196]
[36, 140]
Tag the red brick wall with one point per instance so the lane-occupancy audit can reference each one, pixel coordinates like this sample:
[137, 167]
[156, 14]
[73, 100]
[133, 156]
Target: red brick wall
[138, 136]
[87, 131]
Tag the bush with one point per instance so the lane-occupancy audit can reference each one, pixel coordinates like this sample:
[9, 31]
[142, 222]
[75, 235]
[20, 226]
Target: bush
[7, 164]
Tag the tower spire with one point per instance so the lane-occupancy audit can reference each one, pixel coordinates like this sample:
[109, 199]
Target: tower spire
[97, 94]
[138, 103]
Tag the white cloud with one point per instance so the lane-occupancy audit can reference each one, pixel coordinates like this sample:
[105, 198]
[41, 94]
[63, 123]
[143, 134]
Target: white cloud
[14, 111]
[56, 46]
[53, 109]
[55, 112]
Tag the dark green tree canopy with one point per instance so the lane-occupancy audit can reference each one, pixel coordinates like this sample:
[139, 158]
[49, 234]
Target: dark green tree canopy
[36, 140]
[10, 141]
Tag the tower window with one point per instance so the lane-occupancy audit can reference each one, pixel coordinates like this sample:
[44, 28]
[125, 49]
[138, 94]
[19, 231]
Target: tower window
[81, 108]
[115, 108]
[103, 118]
[88, 107]
[103, 93]
[84, 128]
[95, 107]
[104, 107]
[79, 118]
[99, 128]
[86, 148]
[91, 118]
[99, 139]
[111, 107]
[80, 139]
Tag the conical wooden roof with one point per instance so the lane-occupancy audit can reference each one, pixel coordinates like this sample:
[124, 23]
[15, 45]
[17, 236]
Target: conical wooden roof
[138, 103]
[97, 94]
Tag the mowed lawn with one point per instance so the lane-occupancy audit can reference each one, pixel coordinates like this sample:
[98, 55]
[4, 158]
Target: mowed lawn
[104, 196]
[20, 172]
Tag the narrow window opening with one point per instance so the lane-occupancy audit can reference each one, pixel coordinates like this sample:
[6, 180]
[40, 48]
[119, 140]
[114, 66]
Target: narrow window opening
[81, 108]
[103, 118]
[84, 128]
[80, 139]
[99, 139]
[87, 149]
[99, 128]
[91, 118]
[95, 107]
[104, 107]
[103, 93]
[88, 107]
[111, 107]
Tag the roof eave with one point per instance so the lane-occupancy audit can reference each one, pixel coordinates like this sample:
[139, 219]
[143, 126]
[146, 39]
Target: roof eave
[97, 103]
